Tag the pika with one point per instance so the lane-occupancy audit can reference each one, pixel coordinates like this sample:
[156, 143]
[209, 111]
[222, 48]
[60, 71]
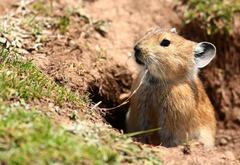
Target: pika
[171, 96]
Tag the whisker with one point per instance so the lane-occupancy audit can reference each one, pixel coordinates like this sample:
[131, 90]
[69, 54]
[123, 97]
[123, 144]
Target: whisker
[133, 93]
[152, 59]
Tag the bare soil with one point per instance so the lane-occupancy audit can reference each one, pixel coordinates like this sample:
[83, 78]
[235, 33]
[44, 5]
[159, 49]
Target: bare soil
[6, 5]
[98, 65]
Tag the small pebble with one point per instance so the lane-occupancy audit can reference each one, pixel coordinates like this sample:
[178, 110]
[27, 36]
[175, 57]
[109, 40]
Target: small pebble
[223, 141]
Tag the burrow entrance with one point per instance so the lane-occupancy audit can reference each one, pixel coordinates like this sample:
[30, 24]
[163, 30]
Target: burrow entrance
[112, 88]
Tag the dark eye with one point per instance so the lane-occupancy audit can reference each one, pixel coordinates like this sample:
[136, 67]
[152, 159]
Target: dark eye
[165, 42]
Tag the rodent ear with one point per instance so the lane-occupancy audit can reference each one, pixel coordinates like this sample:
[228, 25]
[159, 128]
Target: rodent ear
[204, 53]
[173, 30]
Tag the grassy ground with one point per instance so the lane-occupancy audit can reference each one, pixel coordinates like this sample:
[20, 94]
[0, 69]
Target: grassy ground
[31, 129]
[29, 136]
[216, 16]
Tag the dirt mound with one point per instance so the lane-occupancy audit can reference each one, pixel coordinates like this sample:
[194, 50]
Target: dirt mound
[129, 20]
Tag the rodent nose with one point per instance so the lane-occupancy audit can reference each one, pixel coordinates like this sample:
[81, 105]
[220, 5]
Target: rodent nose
[137, 51]
[138, 55]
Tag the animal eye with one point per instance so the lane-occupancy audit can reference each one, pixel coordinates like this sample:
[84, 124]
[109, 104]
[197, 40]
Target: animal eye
[165, 42]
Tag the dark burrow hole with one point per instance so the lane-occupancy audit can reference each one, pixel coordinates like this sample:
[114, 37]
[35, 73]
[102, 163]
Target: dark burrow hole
[115, 117]
[112, 88]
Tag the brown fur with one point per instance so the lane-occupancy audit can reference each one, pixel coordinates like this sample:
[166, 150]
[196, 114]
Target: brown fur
[171, 97]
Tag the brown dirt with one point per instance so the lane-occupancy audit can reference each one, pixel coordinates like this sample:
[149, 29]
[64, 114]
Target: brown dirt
[6, 5]
[85, 61]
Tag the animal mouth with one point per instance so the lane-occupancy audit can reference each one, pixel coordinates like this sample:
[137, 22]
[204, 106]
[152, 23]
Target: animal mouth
[139, 61]
[138, 55]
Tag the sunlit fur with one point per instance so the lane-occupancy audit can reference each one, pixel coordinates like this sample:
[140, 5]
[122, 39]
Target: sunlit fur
[172, 97]
[174, 62]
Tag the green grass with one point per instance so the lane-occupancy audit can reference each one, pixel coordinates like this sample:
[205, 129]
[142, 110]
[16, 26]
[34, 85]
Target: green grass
[213, 16]
[63, 23]
[27, 137]
[43, 6]
[21, 79]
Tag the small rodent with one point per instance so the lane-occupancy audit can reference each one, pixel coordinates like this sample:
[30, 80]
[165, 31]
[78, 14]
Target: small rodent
[171, 96]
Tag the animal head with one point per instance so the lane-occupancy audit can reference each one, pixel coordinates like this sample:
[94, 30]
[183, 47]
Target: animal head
[169, 56]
